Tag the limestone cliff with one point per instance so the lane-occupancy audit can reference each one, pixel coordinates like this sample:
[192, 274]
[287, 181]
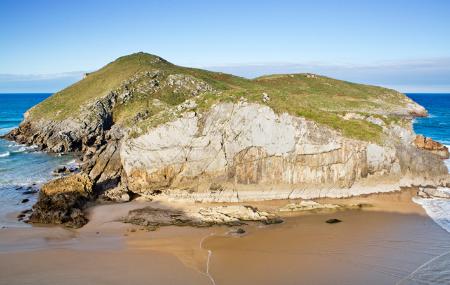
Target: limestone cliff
[238, 152]
[147, 127]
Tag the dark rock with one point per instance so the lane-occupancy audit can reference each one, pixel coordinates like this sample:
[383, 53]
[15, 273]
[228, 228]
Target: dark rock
[60, 170]
[61, 201]
[26, 200]
[29, 192]
[333, 221]
[240, 231]
[273, 220]
[27, 211]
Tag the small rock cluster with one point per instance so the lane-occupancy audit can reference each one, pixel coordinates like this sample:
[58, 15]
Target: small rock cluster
[307, 206]
[431, 145]
[182, 83]
[234, 215]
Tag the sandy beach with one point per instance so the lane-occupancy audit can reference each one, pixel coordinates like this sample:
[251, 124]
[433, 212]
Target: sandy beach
[380, 244]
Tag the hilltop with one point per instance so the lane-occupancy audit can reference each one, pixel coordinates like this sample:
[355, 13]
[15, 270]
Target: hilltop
[153, 87]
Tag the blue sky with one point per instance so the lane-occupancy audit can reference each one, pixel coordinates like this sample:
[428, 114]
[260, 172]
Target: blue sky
[46, 45]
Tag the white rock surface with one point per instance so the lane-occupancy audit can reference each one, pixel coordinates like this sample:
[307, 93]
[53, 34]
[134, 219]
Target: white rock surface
[244, 151]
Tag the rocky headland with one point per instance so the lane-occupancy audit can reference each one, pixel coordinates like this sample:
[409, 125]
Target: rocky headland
[147, 128]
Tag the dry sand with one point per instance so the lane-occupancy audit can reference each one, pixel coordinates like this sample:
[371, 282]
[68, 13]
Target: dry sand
[376, 245]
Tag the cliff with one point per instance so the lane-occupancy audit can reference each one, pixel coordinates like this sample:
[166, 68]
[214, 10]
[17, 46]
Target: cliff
[149, 128]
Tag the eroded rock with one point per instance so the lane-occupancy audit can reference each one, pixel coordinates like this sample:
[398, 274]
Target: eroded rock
[432, 146]
[62, 200]
[434, 192]
[233, 215]
[307, 206]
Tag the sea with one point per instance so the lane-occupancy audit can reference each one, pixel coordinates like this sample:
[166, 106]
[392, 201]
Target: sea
[436, 126]
[22, 168]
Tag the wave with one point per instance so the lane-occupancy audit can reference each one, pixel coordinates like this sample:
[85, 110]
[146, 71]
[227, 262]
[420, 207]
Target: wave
[4, 131]
[5, 154]
[23, 148]
[437, 209]
[447, 161]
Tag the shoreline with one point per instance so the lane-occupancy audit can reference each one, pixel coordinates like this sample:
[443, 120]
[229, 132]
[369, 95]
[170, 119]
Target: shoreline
[381, 238]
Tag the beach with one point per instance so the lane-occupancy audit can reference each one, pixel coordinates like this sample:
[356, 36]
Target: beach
[379, 244]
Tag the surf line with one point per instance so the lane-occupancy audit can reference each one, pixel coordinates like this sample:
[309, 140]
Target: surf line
[208, 259]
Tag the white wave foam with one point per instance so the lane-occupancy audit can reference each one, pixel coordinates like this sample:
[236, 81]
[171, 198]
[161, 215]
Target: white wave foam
[23, 148]
[436, 209]
[447, 161]
[4, 131]
[5, 154]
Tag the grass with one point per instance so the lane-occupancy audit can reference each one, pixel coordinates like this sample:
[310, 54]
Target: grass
[318, 98]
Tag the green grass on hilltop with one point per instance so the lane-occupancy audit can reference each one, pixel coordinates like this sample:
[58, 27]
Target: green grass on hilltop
[318, 98]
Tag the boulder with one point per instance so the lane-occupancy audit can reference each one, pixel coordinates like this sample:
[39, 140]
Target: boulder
[433, 146]
[118, 194]
[62, 200]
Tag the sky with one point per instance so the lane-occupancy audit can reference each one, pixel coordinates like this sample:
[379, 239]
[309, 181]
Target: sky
[47, 45]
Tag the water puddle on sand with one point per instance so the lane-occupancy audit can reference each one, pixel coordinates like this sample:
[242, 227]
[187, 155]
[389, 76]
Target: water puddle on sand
[187, 244]
[208, 259]
[435, 271]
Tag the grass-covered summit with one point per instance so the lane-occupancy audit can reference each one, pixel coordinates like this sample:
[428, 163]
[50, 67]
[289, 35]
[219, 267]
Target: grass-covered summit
[153, 91]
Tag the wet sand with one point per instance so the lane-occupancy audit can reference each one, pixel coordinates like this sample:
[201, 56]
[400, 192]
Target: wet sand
[381, 244]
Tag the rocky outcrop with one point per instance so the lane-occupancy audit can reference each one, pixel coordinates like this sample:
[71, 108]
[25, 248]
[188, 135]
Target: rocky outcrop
[307, 206]
[239, 152]
[200, 217]
[69, 135]
[433, 146]
[434, 192]
[61, 201]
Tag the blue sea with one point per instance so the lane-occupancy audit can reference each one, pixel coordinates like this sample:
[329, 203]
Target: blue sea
[437, 124]
[22, 168]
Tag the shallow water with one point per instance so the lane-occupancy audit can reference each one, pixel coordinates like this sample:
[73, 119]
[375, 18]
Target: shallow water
[22, 168]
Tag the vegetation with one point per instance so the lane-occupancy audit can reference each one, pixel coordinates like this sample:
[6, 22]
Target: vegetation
[158, 87]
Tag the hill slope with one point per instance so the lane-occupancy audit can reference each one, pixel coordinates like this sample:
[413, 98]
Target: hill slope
[154, 86]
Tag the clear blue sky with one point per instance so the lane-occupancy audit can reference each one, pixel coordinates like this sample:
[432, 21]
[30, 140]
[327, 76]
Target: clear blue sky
[408, 40]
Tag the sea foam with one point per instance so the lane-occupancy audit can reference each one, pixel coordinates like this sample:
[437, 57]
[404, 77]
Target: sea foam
[437, 209]
[5, 154]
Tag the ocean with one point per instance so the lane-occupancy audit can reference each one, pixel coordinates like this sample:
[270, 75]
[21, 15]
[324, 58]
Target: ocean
[436, 126]
[23, 169]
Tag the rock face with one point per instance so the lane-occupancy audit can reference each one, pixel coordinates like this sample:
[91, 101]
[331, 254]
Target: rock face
[61, 201]
[432, 146]
[200, 217]
[70, 134]
[434, 192]
[239, 152]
